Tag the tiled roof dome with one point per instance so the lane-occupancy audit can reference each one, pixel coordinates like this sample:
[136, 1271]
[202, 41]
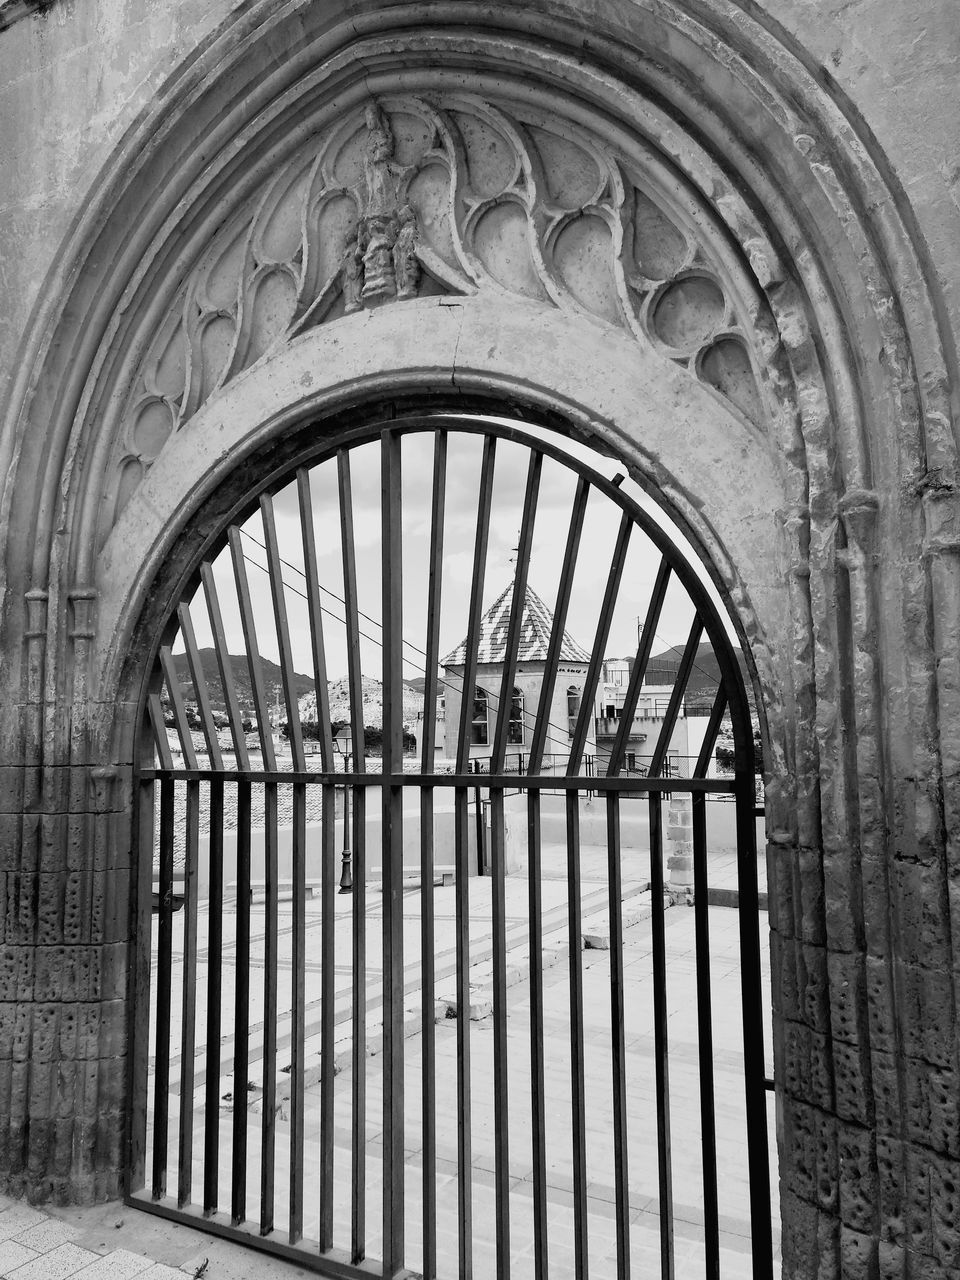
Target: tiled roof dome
[535, 631]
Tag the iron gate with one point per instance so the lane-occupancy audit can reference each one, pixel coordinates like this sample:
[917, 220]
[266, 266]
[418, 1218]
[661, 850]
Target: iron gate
[349, 1045]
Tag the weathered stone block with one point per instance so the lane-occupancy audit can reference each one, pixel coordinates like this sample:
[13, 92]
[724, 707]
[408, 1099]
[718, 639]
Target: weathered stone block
[891, 1183]
[887, 1103]
[801, 1149]
[76, 914]
[801, 1245]
[943, 1101]
[945, 1211]
[917, 1207]
[787, 958]
[927, 1013]
[816, 994]
[876, 894]
[50, 887]
[858, 1253]
[853, 1100]
[45, 1041]
[11, 788]
[810, 883]
[858, 1178]
[892, 1261]
[881, 1006]
[10, 841]
[922, 914]
[53, 842]
[847, 996]
[841, 901]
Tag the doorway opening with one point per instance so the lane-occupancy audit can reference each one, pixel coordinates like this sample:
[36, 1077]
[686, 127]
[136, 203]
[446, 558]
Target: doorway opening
[448, 767]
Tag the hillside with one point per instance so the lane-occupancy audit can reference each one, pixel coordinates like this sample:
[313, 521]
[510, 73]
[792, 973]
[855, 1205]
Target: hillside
[241, 679]
[372, 703]
[662, 669]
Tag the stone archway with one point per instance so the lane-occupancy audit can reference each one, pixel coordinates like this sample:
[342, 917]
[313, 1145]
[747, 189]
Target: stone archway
[821, 371]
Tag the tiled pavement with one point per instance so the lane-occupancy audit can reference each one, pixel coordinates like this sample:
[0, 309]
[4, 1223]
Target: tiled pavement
[112, 1242]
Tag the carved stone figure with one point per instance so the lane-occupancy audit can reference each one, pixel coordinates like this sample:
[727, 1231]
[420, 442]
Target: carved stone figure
[383, 264]
[381, 173]
[351, 274]
[406, 268]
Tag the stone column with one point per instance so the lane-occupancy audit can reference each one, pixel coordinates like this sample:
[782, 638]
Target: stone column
[680, 842]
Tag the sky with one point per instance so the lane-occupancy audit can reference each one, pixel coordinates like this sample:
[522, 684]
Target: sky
[551, 524]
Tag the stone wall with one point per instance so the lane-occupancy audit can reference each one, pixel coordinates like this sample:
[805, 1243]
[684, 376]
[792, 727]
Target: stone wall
[794, 407]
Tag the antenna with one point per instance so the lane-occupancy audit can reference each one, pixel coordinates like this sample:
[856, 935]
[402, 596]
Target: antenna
[515, 551]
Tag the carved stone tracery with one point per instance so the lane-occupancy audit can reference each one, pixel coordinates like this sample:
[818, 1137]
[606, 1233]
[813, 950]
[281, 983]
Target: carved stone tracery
[452, 194]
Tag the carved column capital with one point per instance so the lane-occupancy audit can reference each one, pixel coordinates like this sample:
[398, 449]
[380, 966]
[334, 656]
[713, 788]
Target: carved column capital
[941, 511]
[36, 599]
[81, 601]
[795, 523]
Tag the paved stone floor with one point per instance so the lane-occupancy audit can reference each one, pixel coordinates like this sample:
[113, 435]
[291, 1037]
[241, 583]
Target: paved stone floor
[114, 1242]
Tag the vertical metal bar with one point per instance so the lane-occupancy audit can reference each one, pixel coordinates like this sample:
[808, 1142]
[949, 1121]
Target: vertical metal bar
[708, 1125]
[354, 677]
[577, 1081]
[537, 1083]
[328, 868]
[328, 995]
[427, 920]
[748, 918]
[710, 734]
[687, 661]
[315, 614]
[188, 1010]
[161, 1075]
[224, 666]
[188, 992]
[155, 711]
[200, 688]
[268, 1135]
[254, 665]
[358, 1218]
[351, 610]
[179, 709]
[476, 599]
[392, 798]
[298, 1007]
[464, 1129]
[434, 592]
[295, 737]
[661, 1046]
[524, 547]
[551, 665]
[211, 1100]
[585, 718]
[139, 1067]
[620, 1173]
[241, 1016]
[428, 1088]
[647, 637]
[501, 1107]
[478, 816]
[287, 673]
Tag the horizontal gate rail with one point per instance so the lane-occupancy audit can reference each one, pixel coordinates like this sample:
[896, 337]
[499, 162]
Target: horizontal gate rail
[512, 781]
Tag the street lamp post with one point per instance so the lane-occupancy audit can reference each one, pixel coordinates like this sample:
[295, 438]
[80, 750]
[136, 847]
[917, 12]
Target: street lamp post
[346, 875]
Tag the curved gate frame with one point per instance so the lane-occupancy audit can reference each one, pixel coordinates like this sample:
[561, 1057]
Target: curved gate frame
[731, 694]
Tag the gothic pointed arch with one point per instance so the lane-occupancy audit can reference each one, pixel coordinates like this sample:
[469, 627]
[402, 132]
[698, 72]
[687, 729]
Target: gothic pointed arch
[665, 232]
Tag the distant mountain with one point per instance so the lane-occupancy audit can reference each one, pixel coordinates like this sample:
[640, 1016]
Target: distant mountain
[241, 679]
[705, 676]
